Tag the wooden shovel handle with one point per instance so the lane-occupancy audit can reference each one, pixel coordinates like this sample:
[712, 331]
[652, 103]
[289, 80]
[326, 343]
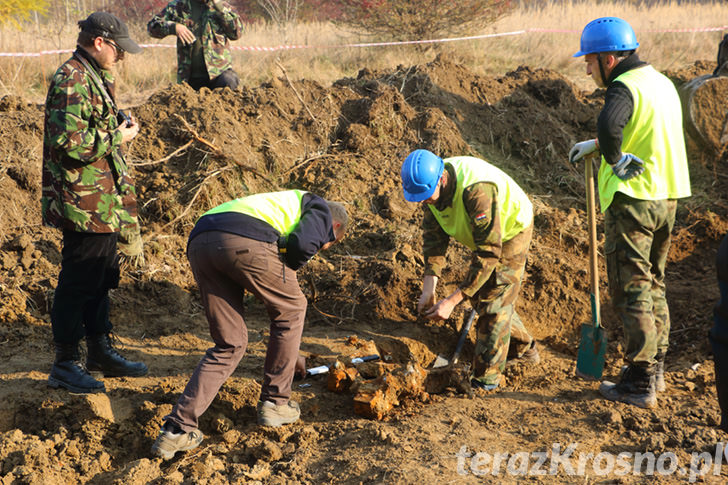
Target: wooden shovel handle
[592, 218]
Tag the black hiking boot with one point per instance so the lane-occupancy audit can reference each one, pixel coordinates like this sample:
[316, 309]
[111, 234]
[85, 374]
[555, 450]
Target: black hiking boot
[660, 371]
[68, 372]
[636, 386]
[103, 358]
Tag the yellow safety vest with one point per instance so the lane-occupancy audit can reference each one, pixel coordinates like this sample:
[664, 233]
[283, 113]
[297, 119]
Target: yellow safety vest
[654, 133]
[282, 210]
[516, 211]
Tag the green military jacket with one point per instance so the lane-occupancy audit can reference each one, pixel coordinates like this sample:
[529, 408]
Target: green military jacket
[86, 182]
[218, 29]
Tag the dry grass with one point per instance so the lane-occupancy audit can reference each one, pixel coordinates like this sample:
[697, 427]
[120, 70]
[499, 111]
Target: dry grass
[154, 68]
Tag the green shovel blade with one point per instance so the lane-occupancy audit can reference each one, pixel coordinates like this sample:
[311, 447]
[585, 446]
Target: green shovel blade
[592, 348]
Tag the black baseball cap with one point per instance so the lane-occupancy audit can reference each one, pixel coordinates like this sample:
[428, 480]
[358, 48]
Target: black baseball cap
[108, 26]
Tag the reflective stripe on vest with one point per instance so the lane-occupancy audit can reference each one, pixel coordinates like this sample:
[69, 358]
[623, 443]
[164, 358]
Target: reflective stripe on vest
[654, 133]
[516, 211]
[282, 210]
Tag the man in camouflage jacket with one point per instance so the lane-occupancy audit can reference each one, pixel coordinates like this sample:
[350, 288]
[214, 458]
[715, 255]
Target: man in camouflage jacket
[204, 29]
[89, 194]
[477, 204]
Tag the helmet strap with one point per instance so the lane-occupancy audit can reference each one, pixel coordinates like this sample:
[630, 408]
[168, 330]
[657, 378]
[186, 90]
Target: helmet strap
[601, 69]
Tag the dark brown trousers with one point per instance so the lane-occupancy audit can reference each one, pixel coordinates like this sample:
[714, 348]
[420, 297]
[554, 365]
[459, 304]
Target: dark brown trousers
[225, 266]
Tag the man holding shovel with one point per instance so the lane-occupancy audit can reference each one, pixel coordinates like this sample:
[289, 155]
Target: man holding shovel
[483, 208]
[643, 170]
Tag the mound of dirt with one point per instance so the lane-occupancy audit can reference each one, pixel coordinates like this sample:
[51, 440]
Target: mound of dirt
[345, 142]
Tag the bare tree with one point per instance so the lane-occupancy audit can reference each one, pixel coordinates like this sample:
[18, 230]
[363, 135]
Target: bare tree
[281, 12]
[421, 19]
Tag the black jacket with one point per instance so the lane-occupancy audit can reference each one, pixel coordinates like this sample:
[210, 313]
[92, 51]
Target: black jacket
[618, 108]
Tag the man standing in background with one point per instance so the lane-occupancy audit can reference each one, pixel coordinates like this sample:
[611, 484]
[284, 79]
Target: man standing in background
[204, 29]
[644, 169]
[89, 194]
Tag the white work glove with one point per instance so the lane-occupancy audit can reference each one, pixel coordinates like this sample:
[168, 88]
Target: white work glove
[426, 301]
[628, 166]
[131, 247]
[579, 150]
[427, 298]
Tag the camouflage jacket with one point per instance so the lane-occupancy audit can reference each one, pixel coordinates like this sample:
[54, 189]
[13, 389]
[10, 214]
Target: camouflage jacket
[86, 182]
[217, 30]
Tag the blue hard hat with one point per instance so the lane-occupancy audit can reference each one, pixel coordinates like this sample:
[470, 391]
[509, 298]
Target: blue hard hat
[421, 173]
[607, 34]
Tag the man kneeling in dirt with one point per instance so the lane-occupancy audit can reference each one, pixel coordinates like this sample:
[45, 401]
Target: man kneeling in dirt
[204, 29]
[644, 169]
[483, 208]
[254, 243]
[89, 194]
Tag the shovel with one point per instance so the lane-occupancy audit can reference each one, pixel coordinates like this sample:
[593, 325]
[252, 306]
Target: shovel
[593, 346]
[442, 361]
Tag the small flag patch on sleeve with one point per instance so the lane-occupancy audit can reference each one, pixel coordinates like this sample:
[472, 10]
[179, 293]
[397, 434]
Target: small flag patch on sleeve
[480, 216]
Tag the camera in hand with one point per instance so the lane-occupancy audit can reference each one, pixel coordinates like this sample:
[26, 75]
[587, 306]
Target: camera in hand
[123, 118]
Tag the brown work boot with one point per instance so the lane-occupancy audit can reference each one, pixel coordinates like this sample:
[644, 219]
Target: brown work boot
[271, 415]
[636, 386]
[530, 356]
[170, 442]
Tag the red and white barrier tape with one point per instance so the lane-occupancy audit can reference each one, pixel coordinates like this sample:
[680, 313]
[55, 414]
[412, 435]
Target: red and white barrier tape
[377, 44]
[34, 54]
[652, 31]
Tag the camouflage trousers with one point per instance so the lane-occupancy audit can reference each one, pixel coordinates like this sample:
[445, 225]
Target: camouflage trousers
[499, 328]
[636, 246]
